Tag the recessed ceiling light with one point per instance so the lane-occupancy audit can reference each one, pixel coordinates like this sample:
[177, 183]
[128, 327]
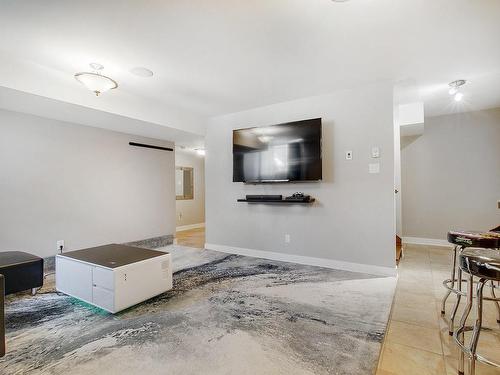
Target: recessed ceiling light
[141, 71]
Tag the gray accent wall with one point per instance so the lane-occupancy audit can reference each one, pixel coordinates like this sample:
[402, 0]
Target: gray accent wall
[83, 185]
[353, 219]
[451, 175]
[191, 211]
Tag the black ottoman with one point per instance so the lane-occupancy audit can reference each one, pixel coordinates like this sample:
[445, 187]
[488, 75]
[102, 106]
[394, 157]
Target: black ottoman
[22, 271]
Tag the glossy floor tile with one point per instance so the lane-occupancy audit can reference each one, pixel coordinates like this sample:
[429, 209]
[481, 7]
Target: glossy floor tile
[417, 341]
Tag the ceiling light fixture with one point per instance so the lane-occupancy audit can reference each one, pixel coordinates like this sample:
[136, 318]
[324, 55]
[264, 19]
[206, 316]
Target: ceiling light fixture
[455, 89]
[200, 151]
[141, 71]
[458, 96]
[265, 138]
[95, 81]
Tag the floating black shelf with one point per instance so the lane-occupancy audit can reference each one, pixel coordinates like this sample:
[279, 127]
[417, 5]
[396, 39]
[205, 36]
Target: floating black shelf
[283, 201]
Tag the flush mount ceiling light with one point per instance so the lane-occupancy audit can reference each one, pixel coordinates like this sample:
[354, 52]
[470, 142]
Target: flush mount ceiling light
[200, 151]
[95, 81]
[455, 88]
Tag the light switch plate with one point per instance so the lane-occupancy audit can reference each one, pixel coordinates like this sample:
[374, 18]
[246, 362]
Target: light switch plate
[348, 155]
[374, 168]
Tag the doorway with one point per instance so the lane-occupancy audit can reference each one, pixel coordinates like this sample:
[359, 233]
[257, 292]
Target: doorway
[190, 198]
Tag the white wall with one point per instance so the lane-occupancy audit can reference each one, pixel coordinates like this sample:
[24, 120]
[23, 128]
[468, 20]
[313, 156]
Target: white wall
[84, 185]
[353, 219]
[191, 211]
[451, 175]
[397, 171]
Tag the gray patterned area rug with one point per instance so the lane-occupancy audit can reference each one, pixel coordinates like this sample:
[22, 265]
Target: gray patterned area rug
[227, 314]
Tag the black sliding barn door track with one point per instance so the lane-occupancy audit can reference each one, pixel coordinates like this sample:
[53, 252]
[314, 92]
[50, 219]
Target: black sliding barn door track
[150, 146]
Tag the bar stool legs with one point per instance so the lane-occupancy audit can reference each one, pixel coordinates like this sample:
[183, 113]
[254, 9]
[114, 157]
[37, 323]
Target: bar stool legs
[480, 261]
[456, 279]
[452, 281]
[457, 303]
[463, 320]
[477, 327]
[471, 348]
[496, 302]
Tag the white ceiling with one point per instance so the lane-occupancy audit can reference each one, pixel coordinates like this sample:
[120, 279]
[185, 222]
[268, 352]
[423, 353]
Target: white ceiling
[19, 101]
[221, 56]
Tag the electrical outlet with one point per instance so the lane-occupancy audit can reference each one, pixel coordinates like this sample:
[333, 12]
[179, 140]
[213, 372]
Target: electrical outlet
[60, 245]
[287, 238]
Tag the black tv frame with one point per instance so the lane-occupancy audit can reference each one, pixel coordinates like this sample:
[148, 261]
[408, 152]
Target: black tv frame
[274, 181]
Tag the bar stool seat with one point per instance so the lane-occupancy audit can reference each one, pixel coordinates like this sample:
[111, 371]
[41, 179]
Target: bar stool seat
[462, 240]
[482, 263]
[485, 240]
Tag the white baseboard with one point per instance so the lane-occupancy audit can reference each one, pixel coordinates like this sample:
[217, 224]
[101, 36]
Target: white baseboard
[190, 226]
[320, 262]
[425, 241]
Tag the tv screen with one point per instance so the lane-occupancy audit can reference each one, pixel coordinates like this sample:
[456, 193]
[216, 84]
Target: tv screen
[278, 153]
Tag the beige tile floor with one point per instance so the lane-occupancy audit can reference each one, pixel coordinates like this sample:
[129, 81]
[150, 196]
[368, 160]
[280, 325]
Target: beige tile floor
[417, 340]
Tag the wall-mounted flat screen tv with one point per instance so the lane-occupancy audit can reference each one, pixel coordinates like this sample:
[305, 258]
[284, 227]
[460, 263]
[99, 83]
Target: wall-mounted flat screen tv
[279, 153]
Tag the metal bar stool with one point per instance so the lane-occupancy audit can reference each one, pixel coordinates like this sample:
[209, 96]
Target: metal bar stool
[484, 264]
[463, 240]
